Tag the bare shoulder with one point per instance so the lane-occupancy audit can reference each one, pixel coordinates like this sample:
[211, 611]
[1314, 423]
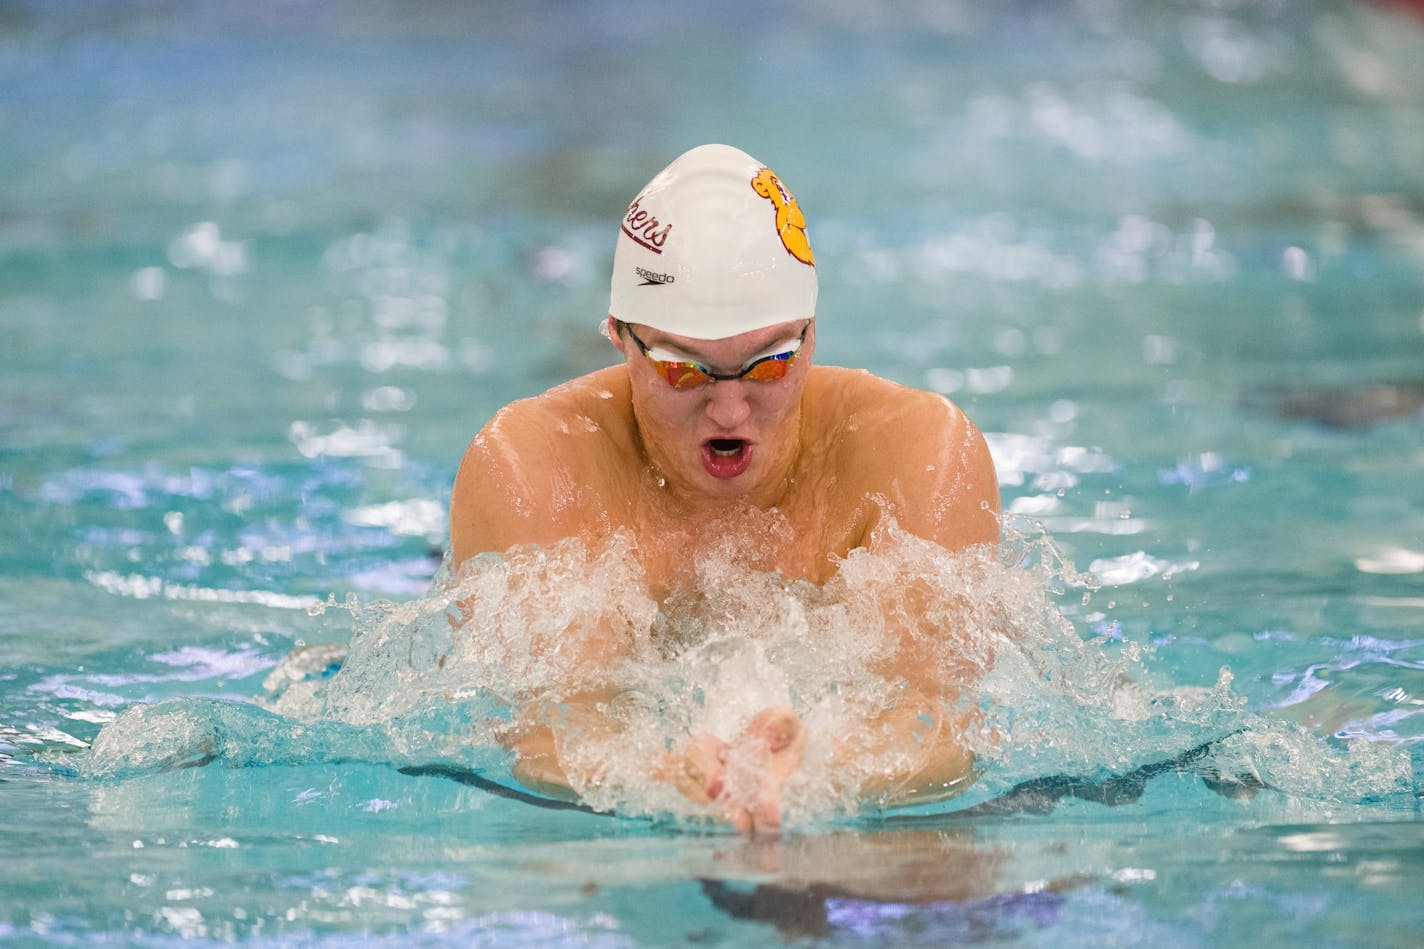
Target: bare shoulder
[918, 450]
[531, 475]
[899, 420]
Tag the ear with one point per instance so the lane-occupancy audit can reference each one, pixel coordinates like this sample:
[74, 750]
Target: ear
[610, 329]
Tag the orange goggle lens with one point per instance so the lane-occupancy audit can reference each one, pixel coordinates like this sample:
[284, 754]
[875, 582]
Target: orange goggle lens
[689, 375]
[685, 374]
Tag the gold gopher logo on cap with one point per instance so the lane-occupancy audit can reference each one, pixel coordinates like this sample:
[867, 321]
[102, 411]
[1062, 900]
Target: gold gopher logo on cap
[790, 221]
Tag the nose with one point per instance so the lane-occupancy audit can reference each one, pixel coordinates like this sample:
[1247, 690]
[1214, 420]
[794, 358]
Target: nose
[727, 404]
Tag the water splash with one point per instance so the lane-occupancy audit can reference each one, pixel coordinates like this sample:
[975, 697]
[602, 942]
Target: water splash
[445, 678]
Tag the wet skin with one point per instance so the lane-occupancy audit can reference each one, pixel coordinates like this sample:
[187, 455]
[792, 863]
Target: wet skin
[794, 473]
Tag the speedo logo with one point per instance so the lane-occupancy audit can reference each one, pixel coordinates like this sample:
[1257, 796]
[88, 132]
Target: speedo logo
[651, 279]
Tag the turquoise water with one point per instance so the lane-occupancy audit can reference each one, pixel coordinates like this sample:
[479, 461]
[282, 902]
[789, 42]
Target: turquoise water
[264, 271]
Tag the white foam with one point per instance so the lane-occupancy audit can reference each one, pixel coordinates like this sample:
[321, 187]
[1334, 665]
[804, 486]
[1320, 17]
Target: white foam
[441, 678]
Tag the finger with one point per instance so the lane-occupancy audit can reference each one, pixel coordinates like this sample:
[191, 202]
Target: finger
[708, 756]
[778, 727]
[684, 776]
[766, 818]
[694, 784]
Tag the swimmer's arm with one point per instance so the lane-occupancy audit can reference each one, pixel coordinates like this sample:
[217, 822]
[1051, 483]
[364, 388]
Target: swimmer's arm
[542, 732]
[517, 486]
[537, 765]
[959, 506]
[941, 485]
[512, 488]
[553, 733]
[936, 473]
[912, 753]
[908, 754]
[543, 727]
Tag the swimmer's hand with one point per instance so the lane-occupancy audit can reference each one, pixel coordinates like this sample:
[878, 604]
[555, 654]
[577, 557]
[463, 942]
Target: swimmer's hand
[745, 776]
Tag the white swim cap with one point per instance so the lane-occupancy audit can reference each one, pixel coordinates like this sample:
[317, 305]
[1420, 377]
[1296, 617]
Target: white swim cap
[714, 246]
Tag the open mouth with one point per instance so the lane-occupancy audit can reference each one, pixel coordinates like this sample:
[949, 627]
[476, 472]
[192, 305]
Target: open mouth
[726, 457]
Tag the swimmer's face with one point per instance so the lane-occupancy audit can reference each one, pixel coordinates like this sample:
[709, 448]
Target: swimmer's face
[734, 438]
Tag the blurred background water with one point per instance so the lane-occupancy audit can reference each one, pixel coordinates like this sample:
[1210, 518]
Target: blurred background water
[265, 268]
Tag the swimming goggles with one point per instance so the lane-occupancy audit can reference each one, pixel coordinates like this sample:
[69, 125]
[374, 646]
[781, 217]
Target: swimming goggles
[683, 373]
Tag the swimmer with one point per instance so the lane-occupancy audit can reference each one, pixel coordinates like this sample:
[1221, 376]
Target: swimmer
[714, 429]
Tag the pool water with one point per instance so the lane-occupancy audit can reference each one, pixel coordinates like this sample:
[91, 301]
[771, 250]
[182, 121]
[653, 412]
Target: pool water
[264, 271]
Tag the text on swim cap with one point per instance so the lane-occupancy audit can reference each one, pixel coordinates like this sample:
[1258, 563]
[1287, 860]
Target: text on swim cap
[653, 278]
[645, 229]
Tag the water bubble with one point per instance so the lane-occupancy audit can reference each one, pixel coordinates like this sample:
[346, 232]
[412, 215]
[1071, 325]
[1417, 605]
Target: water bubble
[1296, 264]
[1063, 411]
[149, 283]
